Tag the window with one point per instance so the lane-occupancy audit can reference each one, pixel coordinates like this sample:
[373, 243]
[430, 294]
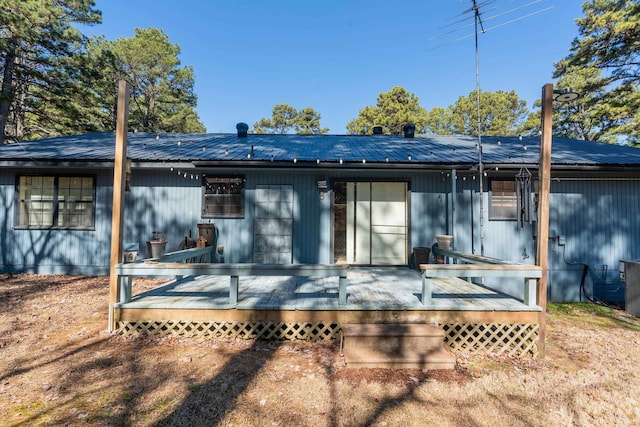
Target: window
[503, 201]
[223, 197]
[56, 202]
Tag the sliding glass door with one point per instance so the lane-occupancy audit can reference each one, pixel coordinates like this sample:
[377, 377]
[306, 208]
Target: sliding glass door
[370, 223]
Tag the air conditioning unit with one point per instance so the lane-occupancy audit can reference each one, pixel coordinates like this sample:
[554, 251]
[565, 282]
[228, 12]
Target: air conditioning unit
[632, 293]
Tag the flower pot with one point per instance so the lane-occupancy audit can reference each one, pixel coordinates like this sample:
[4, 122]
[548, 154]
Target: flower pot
[157, 248]
[130, 252]
[421, 256]
[444, 241]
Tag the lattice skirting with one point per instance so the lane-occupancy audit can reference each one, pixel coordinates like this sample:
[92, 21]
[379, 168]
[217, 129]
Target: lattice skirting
[516, 340]
[244, 330]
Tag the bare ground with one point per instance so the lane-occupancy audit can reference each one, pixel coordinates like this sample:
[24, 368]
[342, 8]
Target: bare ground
[58, 366]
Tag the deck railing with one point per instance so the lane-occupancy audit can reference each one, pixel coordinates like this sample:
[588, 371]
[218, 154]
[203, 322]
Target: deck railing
[193, 254]
[477, 266]
[173, 264]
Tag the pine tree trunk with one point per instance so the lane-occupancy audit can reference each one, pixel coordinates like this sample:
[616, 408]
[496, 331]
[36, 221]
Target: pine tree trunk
[7, 94]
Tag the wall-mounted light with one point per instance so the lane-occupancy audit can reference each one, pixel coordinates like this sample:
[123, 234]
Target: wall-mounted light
[322, 186]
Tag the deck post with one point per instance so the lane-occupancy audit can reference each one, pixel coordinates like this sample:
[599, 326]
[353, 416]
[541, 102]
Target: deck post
[117, 215]
[530, 291]
[342, 290]
[427, 289]
[544, 178]
[233, 290]
[125, 288]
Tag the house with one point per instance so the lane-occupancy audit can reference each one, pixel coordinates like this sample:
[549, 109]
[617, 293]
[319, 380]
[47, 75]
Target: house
[359, 200]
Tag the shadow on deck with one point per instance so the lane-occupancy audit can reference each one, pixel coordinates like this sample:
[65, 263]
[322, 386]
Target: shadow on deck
[368, 289]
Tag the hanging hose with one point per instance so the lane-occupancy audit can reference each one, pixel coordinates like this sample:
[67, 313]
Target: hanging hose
[586, 269]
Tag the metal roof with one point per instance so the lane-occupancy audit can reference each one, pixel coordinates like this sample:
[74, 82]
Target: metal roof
[319, 149]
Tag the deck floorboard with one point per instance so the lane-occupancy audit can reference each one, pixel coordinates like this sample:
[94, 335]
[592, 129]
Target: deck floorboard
[368, 289]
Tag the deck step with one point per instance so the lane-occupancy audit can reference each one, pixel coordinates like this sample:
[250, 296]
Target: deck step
[395, 346]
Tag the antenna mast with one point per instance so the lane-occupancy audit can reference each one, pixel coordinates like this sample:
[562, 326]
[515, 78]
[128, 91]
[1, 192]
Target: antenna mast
[477, 19]
[477, 8]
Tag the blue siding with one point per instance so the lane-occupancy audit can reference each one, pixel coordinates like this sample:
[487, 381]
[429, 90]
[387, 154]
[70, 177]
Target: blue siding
[55, 251]
[164, 202]
[598, 221]
[430, 208]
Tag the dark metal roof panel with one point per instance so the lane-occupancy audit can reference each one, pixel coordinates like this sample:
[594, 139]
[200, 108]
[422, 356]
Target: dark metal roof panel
[437, 150]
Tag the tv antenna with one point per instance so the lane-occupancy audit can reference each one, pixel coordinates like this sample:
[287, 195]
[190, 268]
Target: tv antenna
[478, 11]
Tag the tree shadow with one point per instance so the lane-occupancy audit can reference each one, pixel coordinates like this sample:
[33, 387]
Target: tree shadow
[210, 401]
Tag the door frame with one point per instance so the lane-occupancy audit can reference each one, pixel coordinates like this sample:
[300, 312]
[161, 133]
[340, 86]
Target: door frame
[406, 181]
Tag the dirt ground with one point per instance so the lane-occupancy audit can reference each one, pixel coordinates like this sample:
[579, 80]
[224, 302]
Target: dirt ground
[58, 366]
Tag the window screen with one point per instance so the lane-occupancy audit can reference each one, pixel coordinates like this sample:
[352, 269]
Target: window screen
[56, 202]
[502, 200]
[223, 197]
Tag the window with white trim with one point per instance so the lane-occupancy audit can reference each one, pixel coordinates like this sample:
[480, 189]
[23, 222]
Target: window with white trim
[55, 201]
[223, 197]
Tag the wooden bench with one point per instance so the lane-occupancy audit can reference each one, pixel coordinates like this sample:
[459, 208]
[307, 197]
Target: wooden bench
[234, 271]
[528, 272]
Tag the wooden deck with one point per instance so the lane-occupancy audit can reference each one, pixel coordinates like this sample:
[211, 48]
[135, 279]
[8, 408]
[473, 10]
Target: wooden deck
[471, 315]
[369, 289]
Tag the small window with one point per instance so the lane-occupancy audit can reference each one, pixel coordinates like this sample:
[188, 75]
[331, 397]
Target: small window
[503, 201]
[223, 197]
[62, 202]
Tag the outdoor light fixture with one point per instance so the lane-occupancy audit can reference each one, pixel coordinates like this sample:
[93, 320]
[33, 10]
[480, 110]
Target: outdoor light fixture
[322, 186]
[565, 95]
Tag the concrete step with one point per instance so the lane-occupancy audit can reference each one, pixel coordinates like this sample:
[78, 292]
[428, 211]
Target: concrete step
[395, 346]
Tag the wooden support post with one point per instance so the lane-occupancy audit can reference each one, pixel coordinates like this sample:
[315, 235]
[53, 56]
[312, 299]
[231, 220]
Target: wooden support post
[117, 215]
[342, 290]
[544, 185]
[125, 288]
[233, 290]
[427, 289]
[530, 291]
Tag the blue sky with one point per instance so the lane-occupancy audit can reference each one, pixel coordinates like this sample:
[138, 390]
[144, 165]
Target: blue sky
[336, 56]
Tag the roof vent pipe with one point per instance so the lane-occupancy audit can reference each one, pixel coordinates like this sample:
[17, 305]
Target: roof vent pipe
[409, 130]
[377, 130]
[242, 129]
